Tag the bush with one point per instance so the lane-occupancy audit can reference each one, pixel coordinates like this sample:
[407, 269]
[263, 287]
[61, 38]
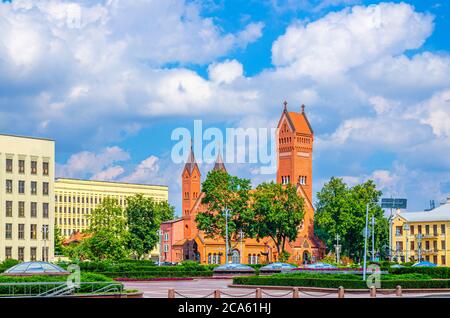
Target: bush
[336, 282]
[434, 272]
[8, 264]
[57, 280]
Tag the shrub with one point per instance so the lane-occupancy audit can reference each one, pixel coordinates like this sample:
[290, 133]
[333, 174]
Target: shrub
[57, 280]
[8, 264]
[335, 282]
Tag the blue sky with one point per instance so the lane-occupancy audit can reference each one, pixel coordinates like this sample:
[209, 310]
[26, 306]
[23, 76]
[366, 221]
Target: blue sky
[110, 80]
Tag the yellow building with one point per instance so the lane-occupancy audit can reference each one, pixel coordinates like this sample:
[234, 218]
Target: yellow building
[26, 198]
[75, 199]
[422, 236]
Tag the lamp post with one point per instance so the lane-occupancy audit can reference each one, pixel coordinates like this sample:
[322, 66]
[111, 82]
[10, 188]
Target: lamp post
[365, 241]
[406, 229]
[373, 238]
[160, 247]
[226, 236]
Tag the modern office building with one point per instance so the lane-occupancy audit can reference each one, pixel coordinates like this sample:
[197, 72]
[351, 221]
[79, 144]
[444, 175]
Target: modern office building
[26, 198]
[75, 199]
[422, 236]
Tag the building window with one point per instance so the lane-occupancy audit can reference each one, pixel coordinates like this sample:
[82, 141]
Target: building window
[442, 259]
[412, 245]
[435, 246]
[21, 231]
[427, 229]
[33, 209]
[33, 231]
[33, 187]
[33, 167]
[166, 236]
[9, 165]
[33, 254]
[9, 208]
[45, 254]
[442, 229]
[21, 209]
[21, 166]
[21, 253]
[427, 245]
[45, 188]
[399, 246]
[435, 231]
[45, 232]
[9, 186]
[443, 247]
[45, 168]
[8, 230]
[411, 228]
[21, 187]
[45, 210]
[398, 231]
[8, 252]
[419, 229]
[166, 248]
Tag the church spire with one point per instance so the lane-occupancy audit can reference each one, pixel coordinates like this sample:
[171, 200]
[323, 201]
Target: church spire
[191, 163]
[219, 165]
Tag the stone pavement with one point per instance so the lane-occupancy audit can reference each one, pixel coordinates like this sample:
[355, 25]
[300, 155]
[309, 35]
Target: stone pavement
[199, 288]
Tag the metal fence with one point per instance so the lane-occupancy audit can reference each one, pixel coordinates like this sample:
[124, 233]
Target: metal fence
[293, 293]
[58, 289]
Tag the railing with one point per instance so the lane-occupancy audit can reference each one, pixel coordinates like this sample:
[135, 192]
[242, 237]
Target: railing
[294, 293]
[57, 289]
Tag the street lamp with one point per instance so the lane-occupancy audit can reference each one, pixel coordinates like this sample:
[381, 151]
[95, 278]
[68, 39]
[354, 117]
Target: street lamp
[160, 233]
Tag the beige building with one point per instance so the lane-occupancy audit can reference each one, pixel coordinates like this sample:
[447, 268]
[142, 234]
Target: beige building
[422, 236]
[75, 199]
[26, 198]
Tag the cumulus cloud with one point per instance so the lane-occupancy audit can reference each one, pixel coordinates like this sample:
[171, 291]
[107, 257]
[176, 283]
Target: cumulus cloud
[86, 163]
[225, 72]
[349, 38]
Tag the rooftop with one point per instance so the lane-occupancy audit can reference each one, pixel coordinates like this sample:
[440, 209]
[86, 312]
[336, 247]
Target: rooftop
[441, 213]
[26, 137]
[74, 180]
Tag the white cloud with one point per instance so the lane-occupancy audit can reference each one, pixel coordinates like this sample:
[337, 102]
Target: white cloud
[109, 174]
[349, 38]
[86, 162]
[145, 172]
[225, 72]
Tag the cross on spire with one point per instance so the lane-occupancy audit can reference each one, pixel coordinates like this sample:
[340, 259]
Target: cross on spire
[285, 105]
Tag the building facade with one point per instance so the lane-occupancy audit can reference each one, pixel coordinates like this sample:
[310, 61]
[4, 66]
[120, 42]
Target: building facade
[422, 236]
[76, 199]
[295, 147]
[26, 198]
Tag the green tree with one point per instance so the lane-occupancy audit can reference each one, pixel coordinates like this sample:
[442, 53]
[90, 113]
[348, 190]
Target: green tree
[278, 212]
[144, 217]
[58, 241]
[342, 210]
[108, 232]
[224, 194]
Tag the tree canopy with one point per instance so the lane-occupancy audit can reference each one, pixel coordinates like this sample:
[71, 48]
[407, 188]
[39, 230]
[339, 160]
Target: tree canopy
[278, 212]
[341, 209]
[223, 194]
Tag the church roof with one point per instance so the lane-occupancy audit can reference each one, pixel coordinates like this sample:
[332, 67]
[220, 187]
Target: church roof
[219, 165]
[191, 163]
[298, 121]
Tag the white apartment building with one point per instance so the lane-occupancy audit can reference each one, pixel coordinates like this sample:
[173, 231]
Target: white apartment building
[26, 198]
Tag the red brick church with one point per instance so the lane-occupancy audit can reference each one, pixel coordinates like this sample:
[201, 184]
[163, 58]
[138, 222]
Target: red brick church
[181, 240]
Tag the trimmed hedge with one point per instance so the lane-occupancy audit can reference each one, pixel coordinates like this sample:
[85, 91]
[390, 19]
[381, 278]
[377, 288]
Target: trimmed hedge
[434, 272]
[335, 283]
[158, 274]
[57, 280]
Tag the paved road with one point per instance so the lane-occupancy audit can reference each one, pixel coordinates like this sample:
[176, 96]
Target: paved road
[199, 288]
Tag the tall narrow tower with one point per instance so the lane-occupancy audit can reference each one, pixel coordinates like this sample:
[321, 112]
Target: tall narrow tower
[295, 148]
[191, 179]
